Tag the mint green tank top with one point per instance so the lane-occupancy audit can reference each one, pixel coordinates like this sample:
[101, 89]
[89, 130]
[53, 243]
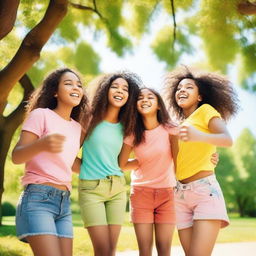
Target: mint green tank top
[101, 150]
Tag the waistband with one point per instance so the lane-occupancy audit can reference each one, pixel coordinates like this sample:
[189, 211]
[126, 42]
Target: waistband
[206, 180]
[107, 178]
[46, 188]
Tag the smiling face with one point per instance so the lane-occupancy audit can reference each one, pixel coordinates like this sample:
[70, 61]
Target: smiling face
[187, 95]
[118, 92]
[147, 102]
[70, 90]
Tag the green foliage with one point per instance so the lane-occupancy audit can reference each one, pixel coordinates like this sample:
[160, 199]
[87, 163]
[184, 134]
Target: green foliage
[245, 185]
[163, 46]
[218, 32]
[8, 209]
[141, 14]
[86, 59]
[68, 29]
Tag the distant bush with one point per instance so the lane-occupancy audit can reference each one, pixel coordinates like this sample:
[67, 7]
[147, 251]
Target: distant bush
[8, 209]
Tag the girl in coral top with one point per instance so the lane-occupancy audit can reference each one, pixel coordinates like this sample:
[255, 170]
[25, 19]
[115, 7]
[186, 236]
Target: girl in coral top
[153, 178]
[203, 102]
[48, 145]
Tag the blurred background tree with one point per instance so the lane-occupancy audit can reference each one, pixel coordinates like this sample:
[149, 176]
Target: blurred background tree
[68, 30]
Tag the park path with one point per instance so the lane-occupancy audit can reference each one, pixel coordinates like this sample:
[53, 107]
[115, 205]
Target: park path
[223, 249]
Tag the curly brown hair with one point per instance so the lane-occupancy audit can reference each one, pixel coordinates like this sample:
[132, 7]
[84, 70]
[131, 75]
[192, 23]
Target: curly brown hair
[44, 96]
[100, 101]
[215, 89]
[162, 117]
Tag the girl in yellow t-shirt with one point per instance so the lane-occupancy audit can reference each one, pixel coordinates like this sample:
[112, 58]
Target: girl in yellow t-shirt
[202, 102]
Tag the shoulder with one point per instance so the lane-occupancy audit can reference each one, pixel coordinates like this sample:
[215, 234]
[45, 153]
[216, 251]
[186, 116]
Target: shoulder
[208, 109]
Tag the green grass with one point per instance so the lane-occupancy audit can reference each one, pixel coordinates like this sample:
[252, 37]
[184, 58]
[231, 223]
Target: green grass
[240, 230]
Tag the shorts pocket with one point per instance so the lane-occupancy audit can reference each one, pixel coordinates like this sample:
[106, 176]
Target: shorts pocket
[203, 189]
[38, 196]
[88, 184]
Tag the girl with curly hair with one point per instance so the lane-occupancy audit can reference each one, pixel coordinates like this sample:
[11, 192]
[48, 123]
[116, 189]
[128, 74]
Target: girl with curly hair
[102, 192]
[153, 176]
[202, 102]
[48, 145]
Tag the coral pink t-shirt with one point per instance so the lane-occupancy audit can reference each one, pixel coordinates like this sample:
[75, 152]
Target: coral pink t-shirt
[156, 167]
[46, 166]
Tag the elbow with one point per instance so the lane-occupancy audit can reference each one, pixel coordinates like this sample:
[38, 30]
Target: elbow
[229, 143]
[15, 160]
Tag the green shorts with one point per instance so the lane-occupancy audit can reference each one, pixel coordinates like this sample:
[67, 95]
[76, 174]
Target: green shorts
[102, 202]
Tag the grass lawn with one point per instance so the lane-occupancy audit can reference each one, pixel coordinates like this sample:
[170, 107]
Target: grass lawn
[240, 230]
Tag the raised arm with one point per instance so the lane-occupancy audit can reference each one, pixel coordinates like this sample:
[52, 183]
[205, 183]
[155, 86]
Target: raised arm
[29, 145]
[219, 135]
[123, 159]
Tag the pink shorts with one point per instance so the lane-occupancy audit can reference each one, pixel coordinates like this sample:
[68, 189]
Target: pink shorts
[200, 200]
[152, 205]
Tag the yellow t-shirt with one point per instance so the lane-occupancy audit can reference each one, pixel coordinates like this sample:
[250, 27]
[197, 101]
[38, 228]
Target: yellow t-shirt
[195, 156]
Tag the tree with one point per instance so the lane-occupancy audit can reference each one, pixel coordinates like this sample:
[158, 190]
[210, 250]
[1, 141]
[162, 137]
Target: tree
[245, 186]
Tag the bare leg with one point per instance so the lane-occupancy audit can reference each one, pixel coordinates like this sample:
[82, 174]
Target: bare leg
[163, 237]
[100, 239]
[66, 245]
[185, 236]
[42, 245]
[144, 234]
[114, 231]
[204, 236]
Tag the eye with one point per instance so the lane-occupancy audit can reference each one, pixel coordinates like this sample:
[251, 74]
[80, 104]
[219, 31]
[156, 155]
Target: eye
[68, 84]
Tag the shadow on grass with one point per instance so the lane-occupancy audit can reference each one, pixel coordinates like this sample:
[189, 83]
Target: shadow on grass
[7, 230]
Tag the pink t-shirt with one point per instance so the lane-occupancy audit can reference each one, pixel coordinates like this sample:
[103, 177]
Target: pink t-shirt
[156, 168]
[46, 166]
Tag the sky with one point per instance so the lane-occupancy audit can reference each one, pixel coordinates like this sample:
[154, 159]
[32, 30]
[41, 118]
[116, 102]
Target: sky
[145, 64]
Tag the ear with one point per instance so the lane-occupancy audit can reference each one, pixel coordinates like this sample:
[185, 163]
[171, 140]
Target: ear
[55, 95]
[200, 98]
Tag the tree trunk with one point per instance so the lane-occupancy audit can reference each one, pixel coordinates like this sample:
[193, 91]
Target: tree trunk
[247, 8]
[29, 51]
[8, 126]
[8, 13]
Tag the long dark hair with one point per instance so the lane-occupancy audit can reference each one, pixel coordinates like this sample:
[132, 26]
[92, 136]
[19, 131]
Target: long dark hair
[100, 101]
[216, 90]
[44, 96]
[162, 117]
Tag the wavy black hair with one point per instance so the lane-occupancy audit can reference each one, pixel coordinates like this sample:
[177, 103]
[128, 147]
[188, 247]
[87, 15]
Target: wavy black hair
[215, 89]
[44, 96]
[100, 101]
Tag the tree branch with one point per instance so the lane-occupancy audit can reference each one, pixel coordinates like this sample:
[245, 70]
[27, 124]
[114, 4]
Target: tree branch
[247, 8]
[17, 115]
[8, 13]
[88, 8]
[29, 51]
[174, 24]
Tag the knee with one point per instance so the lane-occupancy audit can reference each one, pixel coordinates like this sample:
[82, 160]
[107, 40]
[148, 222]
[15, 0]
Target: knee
[163, 249]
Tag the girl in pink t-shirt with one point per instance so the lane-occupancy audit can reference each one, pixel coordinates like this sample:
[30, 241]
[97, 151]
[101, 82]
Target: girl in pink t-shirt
[153, 177]
[48, 145]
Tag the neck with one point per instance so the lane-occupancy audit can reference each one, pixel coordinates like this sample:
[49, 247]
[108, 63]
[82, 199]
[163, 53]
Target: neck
[187, 112]
[150, 122]
[64, 112]
[112, 114]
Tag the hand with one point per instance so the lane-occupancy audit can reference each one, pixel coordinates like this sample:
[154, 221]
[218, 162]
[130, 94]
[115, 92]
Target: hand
[52, 143]
[215, 158]
[189, 133]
